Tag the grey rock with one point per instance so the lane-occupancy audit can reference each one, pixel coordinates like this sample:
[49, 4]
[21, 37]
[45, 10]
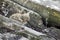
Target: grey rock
[53, 32]
[47, 38]
[9, 36]
[35, 22]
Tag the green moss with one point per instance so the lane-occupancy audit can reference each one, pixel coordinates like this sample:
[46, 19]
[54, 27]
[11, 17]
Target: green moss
[1, 1]
[15, 27]
[22, 34]
[33, 38]
[1, 23]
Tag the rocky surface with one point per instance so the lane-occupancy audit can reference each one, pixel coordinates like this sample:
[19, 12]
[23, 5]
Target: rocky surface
[20, 23]
[53, 32]
[10, 36]
[49, 15]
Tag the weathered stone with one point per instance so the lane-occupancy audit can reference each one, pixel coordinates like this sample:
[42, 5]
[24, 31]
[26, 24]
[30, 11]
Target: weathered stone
[49, 15]
[31, 21]
[47, 38]
[9, 23]
[35, 22]
[53, 32]
[28, 17]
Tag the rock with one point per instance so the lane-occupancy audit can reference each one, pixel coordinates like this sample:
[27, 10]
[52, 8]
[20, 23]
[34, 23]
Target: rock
[10, 36]
[51, 15]
[47, 38]
[53, 32]
[32, 20]
[26, 17]
[27, 23]
[35, 22]
[16, 25]
[24, 38]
